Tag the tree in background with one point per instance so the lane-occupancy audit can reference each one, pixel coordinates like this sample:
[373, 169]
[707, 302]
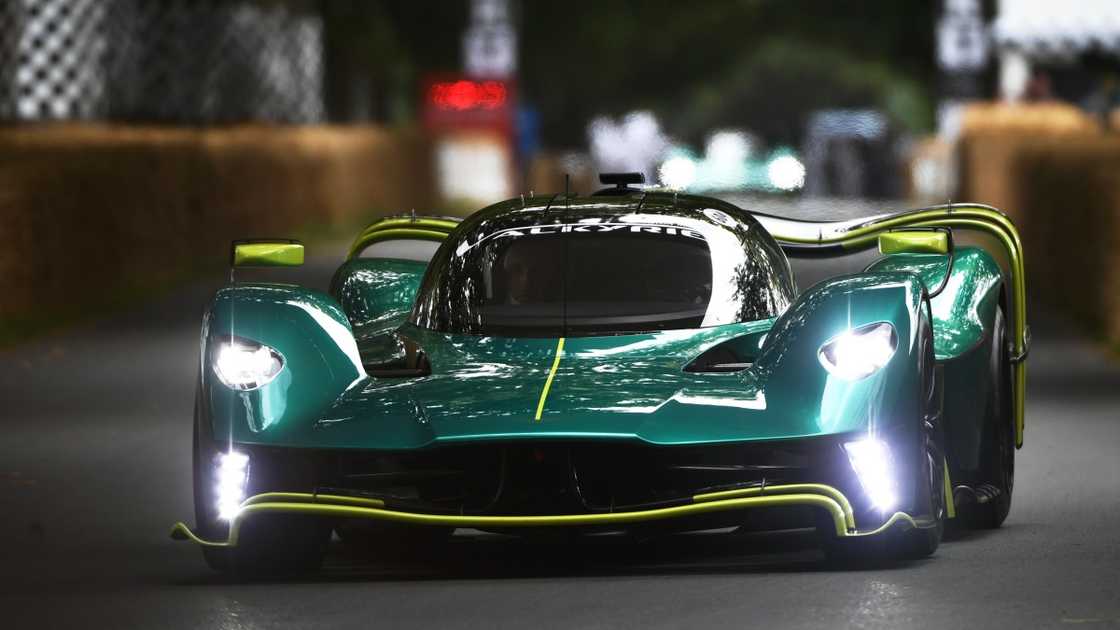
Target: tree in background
[759, 64]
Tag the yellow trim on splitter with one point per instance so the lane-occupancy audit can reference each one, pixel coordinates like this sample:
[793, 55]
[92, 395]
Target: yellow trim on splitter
[815, 488]
[827, 498]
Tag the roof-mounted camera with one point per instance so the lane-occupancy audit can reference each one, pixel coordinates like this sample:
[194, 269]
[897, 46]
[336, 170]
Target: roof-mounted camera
[621, 183]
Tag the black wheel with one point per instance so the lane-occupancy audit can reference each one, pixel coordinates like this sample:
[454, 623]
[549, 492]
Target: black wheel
[268, 544]
[997, 446]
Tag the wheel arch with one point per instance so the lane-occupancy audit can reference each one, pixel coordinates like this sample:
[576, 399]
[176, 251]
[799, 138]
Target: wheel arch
[791, 371]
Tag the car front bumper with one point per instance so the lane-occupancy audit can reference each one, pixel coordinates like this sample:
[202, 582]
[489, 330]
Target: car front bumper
[825, 499]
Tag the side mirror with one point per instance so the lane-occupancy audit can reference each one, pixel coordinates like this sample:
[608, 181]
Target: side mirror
[266, 253]
[914, 242]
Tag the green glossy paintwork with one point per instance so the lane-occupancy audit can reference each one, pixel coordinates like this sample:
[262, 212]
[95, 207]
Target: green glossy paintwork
[967, 376]
[963, 316]
[861, 234]
[963, 311]
[308, 329]
[914, 242]
[377, 293]
[261, 254]
[629, 387]
[626, 387]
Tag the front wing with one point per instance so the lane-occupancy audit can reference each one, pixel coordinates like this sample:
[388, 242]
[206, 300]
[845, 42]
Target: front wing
[820, 496]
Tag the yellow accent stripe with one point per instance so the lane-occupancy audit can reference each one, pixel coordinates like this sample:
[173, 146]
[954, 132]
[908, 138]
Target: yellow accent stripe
[400, 227]
[548, 381]
[950, 504]
[895, 519]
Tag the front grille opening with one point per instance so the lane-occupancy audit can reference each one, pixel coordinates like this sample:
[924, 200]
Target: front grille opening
[557, 478]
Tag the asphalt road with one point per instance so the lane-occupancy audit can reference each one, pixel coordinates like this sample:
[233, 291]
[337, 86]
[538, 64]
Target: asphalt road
[95, 466]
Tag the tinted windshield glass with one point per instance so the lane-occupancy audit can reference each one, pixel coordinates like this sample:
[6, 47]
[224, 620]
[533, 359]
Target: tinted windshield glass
[604, 275]
[612, 284]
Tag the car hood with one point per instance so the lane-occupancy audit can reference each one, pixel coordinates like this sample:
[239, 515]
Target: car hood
[623, 387]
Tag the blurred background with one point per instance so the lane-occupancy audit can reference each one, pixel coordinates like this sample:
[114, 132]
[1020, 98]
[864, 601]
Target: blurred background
[138, 137]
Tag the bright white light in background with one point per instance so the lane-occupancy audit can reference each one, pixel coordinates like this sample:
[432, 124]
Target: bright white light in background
[930, 176]
[677, 173]
[786, 173]
[1014, 75]
[871, 460]
[728, 147]
[725, 160]
[232, 475]
[635, 144]
[473, 167]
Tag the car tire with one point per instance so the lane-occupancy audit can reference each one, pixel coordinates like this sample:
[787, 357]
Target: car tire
[274, 544]
[997, 444]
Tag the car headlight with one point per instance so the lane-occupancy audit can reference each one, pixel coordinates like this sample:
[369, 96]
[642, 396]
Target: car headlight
[859, 352]
[245, 365]
[871, 460]
[232, 476]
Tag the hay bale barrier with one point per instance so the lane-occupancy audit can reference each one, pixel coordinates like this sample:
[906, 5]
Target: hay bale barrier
[1071, 196]
[1061, 186]
[96, 214]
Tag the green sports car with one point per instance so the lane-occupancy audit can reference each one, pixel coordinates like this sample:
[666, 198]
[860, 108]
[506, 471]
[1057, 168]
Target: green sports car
[633, 361]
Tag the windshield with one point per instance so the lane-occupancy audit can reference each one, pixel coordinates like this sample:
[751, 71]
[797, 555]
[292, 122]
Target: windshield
[612, 284]
[601, 276]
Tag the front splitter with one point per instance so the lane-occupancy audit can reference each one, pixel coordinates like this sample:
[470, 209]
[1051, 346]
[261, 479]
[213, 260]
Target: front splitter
[820, 496]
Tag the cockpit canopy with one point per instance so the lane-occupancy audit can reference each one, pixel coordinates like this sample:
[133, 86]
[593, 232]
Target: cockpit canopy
[595, 266]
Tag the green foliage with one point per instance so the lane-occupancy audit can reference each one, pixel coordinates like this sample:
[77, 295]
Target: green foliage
[776, 86]
[762, 64]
